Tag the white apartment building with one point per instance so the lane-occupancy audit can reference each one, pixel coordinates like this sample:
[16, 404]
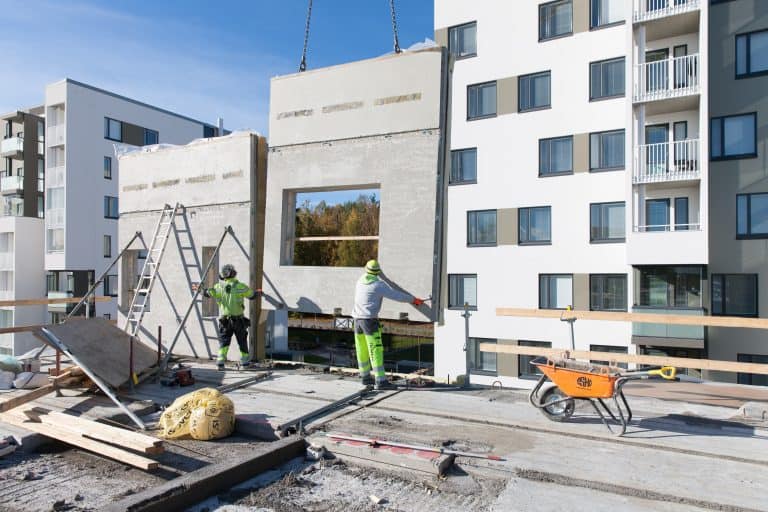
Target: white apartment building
[579, 176]
[69, 165]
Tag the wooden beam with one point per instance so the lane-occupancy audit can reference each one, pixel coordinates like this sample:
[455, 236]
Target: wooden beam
[34, 328]
[678, 362]
[333, 238]
[650, 318]
[42, 302]
[34, 394]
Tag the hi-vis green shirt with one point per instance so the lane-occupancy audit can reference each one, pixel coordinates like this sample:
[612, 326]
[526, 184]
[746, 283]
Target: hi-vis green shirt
[229, 294]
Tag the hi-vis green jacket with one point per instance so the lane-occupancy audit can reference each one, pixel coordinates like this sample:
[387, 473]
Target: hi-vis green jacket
[229, 294]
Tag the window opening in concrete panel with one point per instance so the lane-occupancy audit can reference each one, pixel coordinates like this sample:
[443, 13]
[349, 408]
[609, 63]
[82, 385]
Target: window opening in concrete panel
[752, 379]
[555, 291]
[210, 307]
[333, 228]
[462, 289]
[525, 369]
[481, 363]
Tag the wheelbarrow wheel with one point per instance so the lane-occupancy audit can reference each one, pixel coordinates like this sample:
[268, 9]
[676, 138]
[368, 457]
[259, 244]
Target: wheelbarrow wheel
[560, 411]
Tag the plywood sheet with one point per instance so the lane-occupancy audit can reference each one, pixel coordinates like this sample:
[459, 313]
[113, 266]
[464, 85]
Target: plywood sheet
[104, 348]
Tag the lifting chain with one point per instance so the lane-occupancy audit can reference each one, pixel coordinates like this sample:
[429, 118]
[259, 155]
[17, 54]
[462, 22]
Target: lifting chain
[394, 26]
[303, 65]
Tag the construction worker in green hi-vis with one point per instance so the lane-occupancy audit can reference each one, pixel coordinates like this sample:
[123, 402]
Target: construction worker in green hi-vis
[369, 293]
[230, 293]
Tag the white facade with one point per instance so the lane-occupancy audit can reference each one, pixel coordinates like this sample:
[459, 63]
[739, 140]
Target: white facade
[508, 46]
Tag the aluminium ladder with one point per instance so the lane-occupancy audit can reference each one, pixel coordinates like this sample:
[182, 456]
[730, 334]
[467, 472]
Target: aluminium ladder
[150, 268]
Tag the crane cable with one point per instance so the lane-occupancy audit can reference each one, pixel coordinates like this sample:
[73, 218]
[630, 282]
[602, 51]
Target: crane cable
[303, 65]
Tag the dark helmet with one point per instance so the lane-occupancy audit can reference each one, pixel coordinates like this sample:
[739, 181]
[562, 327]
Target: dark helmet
[228, 271]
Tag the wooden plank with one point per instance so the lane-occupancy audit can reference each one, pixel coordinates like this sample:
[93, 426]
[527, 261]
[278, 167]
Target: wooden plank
[34, 394]
[68, 436]
[334, 238]
[97, 431]
[43, 302]
[650, 318]
[678, 362]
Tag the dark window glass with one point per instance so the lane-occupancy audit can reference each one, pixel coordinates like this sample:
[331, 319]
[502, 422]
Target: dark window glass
[681, 214]
[110, 286]
[607, 222]
[669, 287]
[608, 292]
[108, 167]
[611, 349]
[534, 91]
[481, 100]
[113, 130]
[606, 79]
[657, 215]
[605, 12]
[462, 40]
[733, 136]
[734, 294]
[555, 19]
[151, 137]
[107, 246]
[752, 53]
[752, 379]
[462, 288]
[481, 227]
[556, 155]
[752, 215]
[110, 207]
[555, 291]
[209, 132]
[481, 362]
[525, 369]
[606, 150]
[535, 225]
[463, 166]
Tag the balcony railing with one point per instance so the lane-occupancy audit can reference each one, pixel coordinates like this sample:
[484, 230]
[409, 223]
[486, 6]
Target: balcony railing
[667, 330]
[667, 78]
[667, 161]
[13, 207]
[12, 184]
[11, 147]
[666, 227]
[652, 9]
[56, 135]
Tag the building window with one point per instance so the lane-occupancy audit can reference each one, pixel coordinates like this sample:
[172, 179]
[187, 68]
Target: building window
[40, 207]
[108, 167]
[481, 228]
[556, 156]
[752, 215]
[463, 166]
[681, 214]
[611, 349]
[734, 294]
[752, 54]
[524, 367]
[606, 150]
[107, 246]
[113, 130]
[535, 225]
[151, 137]
[482, 363]
[657, 215]
[555, 291]
[555, 19]
[733, 137]
[605, 12]
[534, 91]
[209, 132]
[462, 40]
[481, 100]
[606, 79]
[752, 379]
[110, 207]
[606, 222]
[669, 287]
[110, 285]
[55, 239]
[462, 289]
[608, 292]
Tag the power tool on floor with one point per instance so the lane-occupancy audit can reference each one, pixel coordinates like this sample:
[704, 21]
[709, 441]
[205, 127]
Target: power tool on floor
[180, 376]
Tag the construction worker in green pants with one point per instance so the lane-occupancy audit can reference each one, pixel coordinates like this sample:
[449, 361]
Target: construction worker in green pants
[369, 293]
[230, 293]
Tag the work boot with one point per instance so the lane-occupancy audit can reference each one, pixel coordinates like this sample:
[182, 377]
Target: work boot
[367, 380]
[385, 386]
[220, 366]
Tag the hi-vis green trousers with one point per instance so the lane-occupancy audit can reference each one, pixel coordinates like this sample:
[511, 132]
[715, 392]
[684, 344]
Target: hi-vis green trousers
[370, 351]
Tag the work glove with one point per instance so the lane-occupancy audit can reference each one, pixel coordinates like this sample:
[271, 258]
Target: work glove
[417, 301]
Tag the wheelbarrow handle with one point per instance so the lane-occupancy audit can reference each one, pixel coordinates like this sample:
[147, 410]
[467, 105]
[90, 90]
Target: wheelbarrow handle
[665, 372]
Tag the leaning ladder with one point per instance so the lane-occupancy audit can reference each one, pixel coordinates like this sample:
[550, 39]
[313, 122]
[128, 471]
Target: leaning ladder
[149, 271]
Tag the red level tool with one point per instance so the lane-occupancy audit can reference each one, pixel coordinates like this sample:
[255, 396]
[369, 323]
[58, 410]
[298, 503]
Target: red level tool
[380, 442]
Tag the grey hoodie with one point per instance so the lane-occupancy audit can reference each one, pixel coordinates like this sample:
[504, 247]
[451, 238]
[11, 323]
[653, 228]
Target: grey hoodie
[369, 292]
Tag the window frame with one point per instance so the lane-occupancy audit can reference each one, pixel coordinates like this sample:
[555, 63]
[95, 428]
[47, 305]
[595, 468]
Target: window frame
[747, 378]
[476, 355]
[107, 246]
[519, 221]
[724, 279]
[552, 4]
[532, 375]
[148, 131]
[548, 275]
[107, 131]
[740, 156]
[611, 97]
[483, 84]
[520, 79]
[608, 240]
[748, 56]
[748, 235]
[626, 290]
[457, 27]
[607, 25]
[558, 173]
[107, 167]
[107, 209]
[463, 182]
[483, 244]
[470, 307]
[108, 291]
[592, 168]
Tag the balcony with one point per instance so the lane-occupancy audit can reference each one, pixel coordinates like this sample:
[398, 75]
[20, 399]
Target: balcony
[694, 333]
[654, 165]
[12, 185]
[681, 244]
[675, 77]
[56, 135]
[645, 10]
[13, 206]
[12, 147]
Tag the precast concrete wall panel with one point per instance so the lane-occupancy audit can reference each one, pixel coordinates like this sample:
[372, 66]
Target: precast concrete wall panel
[376, 123]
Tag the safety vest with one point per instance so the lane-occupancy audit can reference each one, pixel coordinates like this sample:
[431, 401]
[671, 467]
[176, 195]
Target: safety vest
[229, 294]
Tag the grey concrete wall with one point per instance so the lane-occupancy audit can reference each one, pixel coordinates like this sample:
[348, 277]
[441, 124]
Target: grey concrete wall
[214, 181]
[728, 96]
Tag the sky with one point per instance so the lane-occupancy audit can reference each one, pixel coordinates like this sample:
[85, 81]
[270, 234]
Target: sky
[199, 58]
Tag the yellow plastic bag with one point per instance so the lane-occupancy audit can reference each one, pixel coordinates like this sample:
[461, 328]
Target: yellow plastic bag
[203, 414]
